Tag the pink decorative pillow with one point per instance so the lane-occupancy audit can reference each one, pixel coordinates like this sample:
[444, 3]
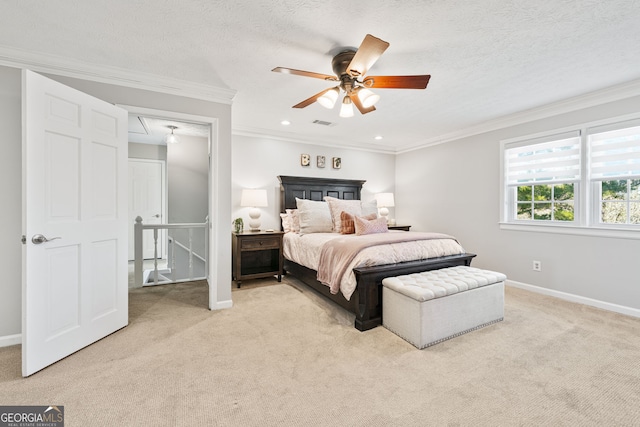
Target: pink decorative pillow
[348, 224]
[364, 226]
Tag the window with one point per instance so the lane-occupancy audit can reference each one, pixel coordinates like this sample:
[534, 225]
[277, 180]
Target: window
[542, 178]
[615, 174]
[587, 177]
[545, 202]
[620, 201]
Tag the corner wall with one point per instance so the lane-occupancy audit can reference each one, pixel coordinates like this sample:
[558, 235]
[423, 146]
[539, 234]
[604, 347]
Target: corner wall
[455, 188]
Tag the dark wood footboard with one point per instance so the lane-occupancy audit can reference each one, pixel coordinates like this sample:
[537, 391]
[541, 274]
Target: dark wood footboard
[366, 301]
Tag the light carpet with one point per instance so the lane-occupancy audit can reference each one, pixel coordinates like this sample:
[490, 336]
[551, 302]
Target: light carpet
[284, 356]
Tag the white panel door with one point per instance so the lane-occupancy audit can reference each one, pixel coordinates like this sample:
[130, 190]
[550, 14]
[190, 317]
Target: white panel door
[146, 200]
[74, 289]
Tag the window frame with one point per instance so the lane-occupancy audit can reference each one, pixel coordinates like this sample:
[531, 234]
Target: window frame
[587, 193]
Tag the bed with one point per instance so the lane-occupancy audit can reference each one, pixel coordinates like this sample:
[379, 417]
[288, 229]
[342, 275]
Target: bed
[366, 300]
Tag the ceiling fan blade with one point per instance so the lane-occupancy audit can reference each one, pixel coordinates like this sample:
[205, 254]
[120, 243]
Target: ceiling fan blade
[356, 101]
[305, 73]
[367, 54]
[397, 82]
[312, 99]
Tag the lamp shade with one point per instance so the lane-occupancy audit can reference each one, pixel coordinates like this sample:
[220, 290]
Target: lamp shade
[255, 198]
[385, 200]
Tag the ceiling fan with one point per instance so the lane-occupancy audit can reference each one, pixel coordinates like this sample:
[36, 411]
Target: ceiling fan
[350, 68]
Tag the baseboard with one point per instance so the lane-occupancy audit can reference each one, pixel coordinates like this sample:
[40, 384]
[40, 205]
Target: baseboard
[220, 305]
[10, 340]
[629, 311]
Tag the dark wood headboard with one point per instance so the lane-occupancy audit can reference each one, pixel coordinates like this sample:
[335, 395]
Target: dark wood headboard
[315, 189]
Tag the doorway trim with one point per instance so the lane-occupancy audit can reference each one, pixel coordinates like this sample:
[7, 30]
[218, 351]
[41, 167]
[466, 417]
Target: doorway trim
[215, 253]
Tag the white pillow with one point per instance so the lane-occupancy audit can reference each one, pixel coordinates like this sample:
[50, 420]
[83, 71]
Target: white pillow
[314, 216]
[370, 207]
[337, 206]
[294, 221]
[286, 222]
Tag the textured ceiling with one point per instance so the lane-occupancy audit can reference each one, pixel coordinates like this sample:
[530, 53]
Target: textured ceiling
[488, 59]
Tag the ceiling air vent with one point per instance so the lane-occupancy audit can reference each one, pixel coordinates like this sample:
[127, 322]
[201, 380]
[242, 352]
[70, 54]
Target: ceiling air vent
[323, 123]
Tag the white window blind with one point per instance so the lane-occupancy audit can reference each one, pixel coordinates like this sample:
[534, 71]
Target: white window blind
[614, 154]
[548, 161]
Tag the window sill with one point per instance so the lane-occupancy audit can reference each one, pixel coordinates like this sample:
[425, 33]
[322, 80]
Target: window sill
[611, 232]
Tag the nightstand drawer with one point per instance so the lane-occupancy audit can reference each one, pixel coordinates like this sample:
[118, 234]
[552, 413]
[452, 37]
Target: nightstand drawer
[260, 243]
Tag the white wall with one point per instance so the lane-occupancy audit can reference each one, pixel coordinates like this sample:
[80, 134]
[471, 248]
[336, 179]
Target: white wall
[258, 161]
[11, 206]
[188, 186]
[11, 178]
[455, 188]
[147, 151]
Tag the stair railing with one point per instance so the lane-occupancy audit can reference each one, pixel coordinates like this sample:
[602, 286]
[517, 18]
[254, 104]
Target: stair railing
[139, 227]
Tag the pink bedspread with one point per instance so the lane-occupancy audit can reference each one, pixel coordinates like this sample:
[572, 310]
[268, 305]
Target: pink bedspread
[337, 254]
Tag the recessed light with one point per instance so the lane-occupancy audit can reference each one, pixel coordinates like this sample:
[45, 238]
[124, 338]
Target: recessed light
[378, 137]
[285, 122]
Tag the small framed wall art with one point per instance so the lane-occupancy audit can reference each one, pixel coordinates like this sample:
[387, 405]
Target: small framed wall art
[305, 159]
[320, 161]
[337, 162]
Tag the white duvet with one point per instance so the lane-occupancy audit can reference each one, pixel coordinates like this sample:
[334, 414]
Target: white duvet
[305, 250]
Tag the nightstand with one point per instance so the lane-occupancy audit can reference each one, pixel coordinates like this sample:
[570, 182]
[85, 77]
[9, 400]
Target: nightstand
[256, 255]
[399, 227]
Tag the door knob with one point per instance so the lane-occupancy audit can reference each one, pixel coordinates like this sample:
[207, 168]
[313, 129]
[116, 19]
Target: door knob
[157, 215]
[39, 239]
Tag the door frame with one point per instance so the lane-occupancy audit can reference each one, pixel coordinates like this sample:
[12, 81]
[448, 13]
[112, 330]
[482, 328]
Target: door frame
[215, 194]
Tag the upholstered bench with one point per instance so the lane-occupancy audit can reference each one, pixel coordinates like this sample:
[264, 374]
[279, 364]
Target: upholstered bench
[433, 306]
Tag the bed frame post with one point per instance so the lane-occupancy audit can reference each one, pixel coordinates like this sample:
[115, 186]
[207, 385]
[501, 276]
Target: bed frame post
[368, 303]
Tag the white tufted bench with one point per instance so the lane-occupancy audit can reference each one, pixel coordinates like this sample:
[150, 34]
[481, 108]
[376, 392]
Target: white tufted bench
[434, 306]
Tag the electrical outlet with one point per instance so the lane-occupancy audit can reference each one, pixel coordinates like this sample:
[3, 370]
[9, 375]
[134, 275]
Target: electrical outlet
[537, 266]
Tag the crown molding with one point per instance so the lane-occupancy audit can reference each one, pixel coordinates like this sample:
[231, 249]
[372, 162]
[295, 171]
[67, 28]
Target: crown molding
[291, 137]
[591, 99]
[52, 64]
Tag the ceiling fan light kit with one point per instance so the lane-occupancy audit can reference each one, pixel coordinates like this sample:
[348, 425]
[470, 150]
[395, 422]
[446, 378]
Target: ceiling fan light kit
[350, 67]
[328, 100]
[346, 110]
[367, 97]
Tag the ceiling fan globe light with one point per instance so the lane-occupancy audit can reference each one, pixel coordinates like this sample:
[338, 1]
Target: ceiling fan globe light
[368, 98]
[328, 100]
[347, 108]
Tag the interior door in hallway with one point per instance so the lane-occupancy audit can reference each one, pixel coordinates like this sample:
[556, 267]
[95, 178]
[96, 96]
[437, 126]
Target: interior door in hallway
[147, 196]
[74, 180]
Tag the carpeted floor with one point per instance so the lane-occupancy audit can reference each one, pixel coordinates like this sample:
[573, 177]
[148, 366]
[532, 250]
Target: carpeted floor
[283, 356]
